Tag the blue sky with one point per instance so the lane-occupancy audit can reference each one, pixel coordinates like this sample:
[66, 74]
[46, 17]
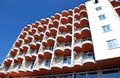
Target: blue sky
[15, 14]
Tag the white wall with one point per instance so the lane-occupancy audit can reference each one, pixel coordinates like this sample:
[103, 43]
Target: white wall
[99, 37]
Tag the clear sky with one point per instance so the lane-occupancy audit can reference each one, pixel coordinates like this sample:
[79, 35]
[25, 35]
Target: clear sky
[15, 14]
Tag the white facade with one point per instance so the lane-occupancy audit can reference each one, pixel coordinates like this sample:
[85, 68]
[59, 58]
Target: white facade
[100, 37]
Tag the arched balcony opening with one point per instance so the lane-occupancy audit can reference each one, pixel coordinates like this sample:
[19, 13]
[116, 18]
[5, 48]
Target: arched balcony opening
[62, 29]
[17, 65]
[87, 46]
[64, 13]
[51, 33]
[13, 52]
[47, 20]
[77, 16]
[55, 23]
[78, 49]
[8, 62]
[52, 18]
[57, 16]
[24, 49]
[50, 25]
[6, 66]
[70, 12]
[42, 28]
[27, 28]
[77, 25]
[64, 20]
[29, 64]
[86, 33]
[84, 22]
[19, 43]
[68, 41]
[77, 36]
[38, 37]
[69, 28]
[76, 10]
[23, 35]
[32, 31]
[37, 24]
[43, 21]
[60, 39]
[28, 40]
[82, 7]
[59, 52]
[83, 14]
[69, 19]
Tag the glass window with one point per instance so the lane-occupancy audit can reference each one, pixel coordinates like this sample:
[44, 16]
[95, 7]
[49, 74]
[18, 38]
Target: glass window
[106, 28]
[80, 75]
[92, 75]
[67, 59]
[32, 65]
[98, 8]
[112, 44]
[47, 63]
[88, 55]
[102, 17]
[111, 74]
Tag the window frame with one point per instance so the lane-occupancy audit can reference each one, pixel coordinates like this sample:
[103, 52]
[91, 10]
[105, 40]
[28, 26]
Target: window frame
[106, 28]
[102, 17]
[98, 8]
[112, 44]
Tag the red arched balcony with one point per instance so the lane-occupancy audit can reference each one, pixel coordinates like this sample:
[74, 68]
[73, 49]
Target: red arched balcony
[76, 10]
[69, 19]
[27, 28]
[82, 7]
[78, 49]
[43, 21]
[77, 16]
[18, 43]
[85, 32]
[38, 36]
[55, 23]
[64, 20]
[14, 51]
[64, 13]
[84, 22]
[83, 13]
[23, 34]
[33, 31]
[62, 28]
[70, 12]
[57, 16]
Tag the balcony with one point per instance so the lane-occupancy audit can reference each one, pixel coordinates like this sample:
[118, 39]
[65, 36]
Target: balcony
[88, 55]
[66, 59]
[48, 48]
[47, 62]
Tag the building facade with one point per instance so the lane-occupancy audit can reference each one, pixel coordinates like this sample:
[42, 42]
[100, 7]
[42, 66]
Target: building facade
[79, 43]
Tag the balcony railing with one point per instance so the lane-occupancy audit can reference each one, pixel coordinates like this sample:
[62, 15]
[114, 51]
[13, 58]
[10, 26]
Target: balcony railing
[48, 48]
[88, 55]
[67, 59]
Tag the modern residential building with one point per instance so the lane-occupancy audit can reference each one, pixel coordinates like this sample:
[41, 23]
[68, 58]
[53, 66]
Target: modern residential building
[79, 43]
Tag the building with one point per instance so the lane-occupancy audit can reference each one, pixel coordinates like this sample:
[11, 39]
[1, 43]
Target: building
[79, 43]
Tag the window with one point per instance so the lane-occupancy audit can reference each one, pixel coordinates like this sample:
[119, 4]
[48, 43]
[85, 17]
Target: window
[106, 28]
[67, 59]
[112, 44]
[102, 17]
[111, 74]
[47, 63]
[98, 8]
